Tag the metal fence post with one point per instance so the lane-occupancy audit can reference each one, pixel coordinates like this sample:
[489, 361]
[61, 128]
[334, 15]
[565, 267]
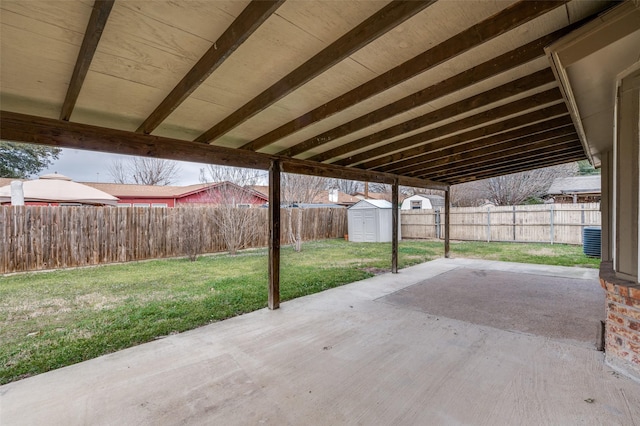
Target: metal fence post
[438, 233]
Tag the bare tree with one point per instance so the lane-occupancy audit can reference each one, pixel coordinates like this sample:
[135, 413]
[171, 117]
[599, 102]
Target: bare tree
[236, 223]
[238, 175]
[513, 189]
[467, 195]
[145, 171]
[297, 189]
[412, 190]
[345, 185]
[119, 172]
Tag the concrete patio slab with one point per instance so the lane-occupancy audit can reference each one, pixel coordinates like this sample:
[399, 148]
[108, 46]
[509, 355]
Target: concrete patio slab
[557, 307]
[338, 357]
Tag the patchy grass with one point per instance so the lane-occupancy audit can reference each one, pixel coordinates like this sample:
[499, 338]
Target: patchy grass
[545, 254]
[53, 319]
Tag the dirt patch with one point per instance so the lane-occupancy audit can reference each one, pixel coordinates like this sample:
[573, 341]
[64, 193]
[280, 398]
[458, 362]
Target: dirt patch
[376, 271]
[542, 252]
[98, 301]
[349, 262]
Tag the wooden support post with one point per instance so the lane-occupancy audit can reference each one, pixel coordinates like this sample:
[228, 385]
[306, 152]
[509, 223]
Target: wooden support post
[274, 235]
[395, 222]
[447, 221]
[514, 223]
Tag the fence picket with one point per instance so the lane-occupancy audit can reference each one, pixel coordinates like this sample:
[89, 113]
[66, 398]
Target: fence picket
[507, 223]
[41, 237]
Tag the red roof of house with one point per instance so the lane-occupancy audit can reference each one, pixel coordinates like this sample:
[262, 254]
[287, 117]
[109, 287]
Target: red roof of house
[155, 191]
[322, 198]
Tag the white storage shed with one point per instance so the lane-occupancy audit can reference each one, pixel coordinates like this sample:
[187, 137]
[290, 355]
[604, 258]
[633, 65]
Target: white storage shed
[422, 202]
[369, 221]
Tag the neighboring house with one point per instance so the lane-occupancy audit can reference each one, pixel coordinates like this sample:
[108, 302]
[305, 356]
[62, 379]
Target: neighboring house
[56, 190]
[180, 196]
[577, 189]
[330, 198]
[373, 196]
[335, 196]
[423, 202]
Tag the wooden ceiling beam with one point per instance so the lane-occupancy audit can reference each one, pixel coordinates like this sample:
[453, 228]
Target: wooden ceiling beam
[92, 35]
[373, 27]
[509, 166]
[238, 32]
[481, 72]
[512, 126]
[535, 101]
[497, 157]
[480, 147]
[522, 168]
[46, 131]
[504, 91]
[503, 21]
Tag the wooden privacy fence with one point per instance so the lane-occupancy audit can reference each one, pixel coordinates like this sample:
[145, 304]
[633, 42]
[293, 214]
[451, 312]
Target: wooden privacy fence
[550, 223]
[35, 237]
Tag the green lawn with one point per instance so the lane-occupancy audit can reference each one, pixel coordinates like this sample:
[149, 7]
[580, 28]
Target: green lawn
[52, 319]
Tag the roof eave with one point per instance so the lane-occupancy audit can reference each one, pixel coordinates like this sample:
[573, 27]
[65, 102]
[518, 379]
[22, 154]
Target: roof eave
[596, 36]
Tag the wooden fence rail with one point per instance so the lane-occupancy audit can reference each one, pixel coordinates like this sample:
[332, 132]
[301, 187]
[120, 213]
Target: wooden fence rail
[36, 238]
[550, 223]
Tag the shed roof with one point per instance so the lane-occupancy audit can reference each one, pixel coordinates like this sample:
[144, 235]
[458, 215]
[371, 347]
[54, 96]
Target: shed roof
[426, 93]
[575, 185]
[379, 204]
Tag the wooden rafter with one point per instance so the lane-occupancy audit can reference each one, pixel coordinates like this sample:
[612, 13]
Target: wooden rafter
[465, 158]
[496, 156]
[483, 99]
[488, 69]
[373, 27]
[505, 20]
[512, 125]
[513, 165]
[46, 131]
[238, 32]
[560, 126]
[515, 107]
[95, 27]
[563, 159]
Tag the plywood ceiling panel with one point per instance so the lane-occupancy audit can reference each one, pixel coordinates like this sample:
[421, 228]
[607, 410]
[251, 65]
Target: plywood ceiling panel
[429, 28]
[147, 48]
[39, 42]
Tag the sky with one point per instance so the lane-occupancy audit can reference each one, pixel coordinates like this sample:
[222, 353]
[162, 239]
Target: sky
[89, 166]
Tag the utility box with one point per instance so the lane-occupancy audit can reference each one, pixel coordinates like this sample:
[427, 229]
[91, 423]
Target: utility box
[370, 221]
[591, 237]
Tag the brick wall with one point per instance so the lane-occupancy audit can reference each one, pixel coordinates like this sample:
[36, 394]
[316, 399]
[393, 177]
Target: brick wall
[622, 338]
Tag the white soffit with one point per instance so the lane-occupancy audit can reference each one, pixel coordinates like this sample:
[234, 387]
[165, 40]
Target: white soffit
[586, 63]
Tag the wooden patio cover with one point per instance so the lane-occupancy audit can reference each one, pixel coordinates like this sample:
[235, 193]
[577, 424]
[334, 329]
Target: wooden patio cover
[417, 93]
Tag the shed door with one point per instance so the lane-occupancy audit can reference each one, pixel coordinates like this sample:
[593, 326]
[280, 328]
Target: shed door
[370, 226]
[356, 228]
